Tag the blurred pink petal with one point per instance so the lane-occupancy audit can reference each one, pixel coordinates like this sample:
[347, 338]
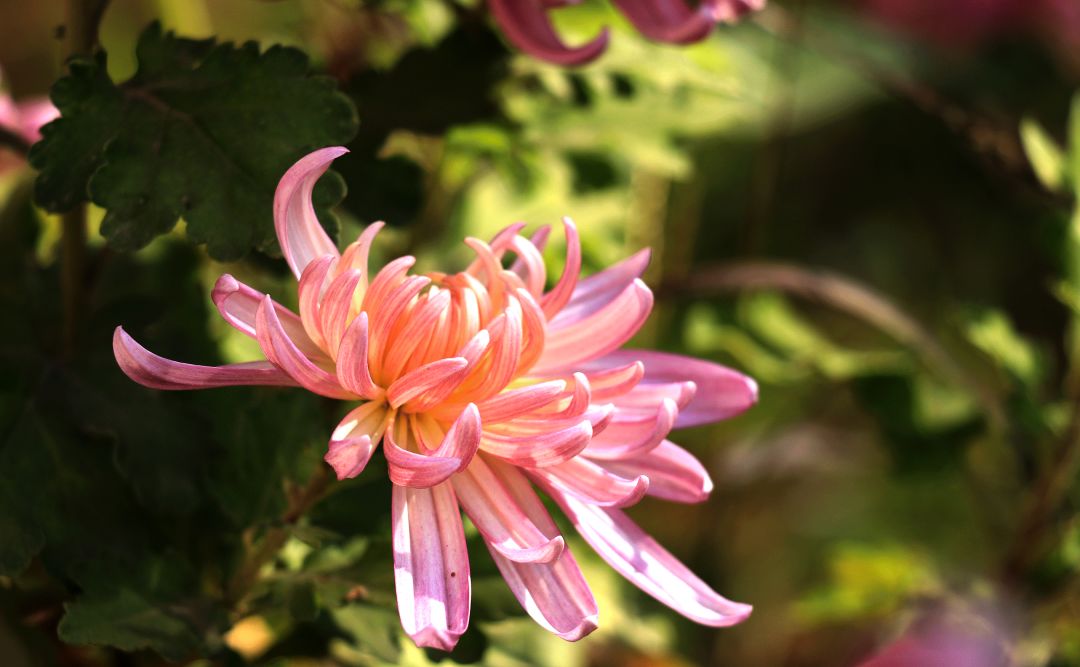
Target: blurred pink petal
[528, 27]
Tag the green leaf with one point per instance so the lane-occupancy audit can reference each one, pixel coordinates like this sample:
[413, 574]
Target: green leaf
[202, 132]
[156, 607]
[1074, 144]
[1045, 156]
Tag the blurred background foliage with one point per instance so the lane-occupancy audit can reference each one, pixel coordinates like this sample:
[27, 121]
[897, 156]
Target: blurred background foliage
[866, 210]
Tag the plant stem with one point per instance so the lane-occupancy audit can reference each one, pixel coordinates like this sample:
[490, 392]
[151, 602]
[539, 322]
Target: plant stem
[300, 502]
[80, 37]
[72, 254]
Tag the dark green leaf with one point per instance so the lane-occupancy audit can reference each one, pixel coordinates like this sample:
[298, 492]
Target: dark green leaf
[202, 132]
[155, 607]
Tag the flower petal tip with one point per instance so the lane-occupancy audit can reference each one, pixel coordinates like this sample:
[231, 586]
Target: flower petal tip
[582, 629]
[441, 640]
[350, 456]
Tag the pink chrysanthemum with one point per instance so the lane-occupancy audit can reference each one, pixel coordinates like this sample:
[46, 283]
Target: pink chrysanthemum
[478, 383]
[528, 26]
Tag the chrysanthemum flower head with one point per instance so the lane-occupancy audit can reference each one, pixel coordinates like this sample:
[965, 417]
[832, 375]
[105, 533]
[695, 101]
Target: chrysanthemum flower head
[480, 386]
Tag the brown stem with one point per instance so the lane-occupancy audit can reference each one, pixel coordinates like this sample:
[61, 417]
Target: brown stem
[300, 502]
[72, 254]
[1047, 495]
[80, 37]
[14, 141]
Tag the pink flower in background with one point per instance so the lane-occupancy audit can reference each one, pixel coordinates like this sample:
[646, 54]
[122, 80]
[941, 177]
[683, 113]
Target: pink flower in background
[480, 384]
[962, 23]
[24, 120]
[940, 646]
[528, 26]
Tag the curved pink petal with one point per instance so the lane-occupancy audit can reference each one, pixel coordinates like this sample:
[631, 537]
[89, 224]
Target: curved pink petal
[239, 303]
[593, 484]
[280, 350]
[528, 27]
[500, 505]
[336, 307]
[560, 295]
[456, 451]
[554, 594]
[352, 362]
[431, 565]
[674, 473]
[633, 434]
[539, 449]
[516, 402]
[301, 236]
[597, 333]
[425, 378]
[349, 457]
[647, 565]
[671, 21]
[151, 370]
[721, 392]
[310, 293]
[599, 289]
[647, 395]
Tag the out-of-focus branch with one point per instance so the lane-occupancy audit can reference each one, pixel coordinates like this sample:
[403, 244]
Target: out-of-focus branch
[300, 502]
[80, 36]
[846, 295]
[13, 141]
[993, 139]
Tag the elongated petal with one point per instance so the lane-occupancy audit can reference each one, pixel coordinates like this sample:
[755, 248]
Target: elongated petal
[598, 333]
[674, 473]
[238, 304]
[279, 349]
[555, 594]
[647, 565]
[431, 566]
[539, 449]
[352, 363]
[601, 288]
[336, 308]
[671, 21]
[425, 378]
[456, 451]
[150, 370]
[592, 483]
[721, 392]
[517, 402]
[310, 292]
[349, 457]
[647, 396]
[528, 27]
[560, 295]
[634, 434]
[301, 236]
[500, 506]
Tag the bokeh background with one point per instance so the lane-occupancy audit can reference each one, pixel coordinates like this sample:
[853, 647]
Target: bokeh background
[840, 204]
